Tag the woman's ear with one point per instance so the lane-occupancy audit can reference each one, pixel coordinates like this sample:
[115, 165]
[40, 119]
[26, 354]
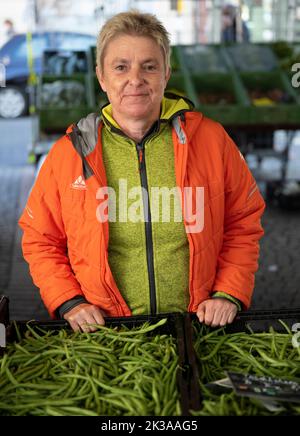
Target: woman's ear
[168, 75]
[100, 78]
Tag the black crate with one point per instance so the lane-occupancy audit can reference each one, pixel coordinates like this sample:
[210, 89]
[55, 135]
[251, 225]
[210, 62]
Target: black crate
[173, 327]
[4, 310]
[259, 321]
[256, 321]
[4, 320]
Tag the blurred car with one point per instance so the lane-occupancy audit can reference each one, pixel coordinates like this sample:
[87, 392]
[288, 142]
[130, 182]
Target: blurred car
[14, 98]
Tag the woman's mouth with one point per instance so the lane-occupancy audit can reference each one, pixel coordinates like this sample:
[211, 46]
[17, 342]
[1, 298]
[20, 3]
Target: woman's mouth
[136, 95]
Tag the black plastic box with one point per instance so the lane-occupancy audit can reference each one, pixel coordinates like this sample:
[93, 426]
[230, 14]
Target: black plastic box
[256, 321]
[4, 310]
[173, 327]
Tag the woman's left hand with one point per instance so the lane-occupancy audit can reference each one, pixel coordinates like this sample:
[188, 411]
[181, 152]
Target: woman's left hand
[216, 312]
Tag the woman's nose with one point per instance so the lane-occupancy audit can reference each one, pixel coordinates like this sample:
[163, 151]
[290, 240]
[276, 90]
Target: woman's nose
[136, 76]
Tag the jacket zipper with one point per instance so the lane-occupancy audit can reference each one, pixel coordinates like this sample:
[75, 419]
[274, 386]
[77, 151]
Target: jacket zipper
[148, 226]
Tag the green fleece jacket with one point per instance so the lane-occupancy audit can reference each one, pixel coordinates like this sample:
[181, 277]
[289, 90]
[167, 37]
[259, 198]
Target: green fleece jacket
[127, 254]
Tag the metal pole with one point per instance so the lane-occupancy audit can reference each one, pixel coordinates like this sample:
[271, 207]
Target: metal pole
[217, 21]
[291, 20]
[239, 24]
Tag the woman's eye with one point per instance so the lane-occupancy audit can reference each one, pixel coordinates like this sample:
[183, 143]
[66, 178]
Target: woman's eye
[150, 67]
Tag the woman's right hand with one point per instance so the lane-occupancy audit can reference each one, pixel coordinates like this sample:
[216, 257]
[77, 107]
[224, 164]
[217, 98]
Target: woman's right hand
[84, 314]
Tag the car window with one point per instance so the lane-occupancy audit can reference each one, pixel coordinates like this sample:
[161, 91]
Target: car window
[39, 44]
[75, 42]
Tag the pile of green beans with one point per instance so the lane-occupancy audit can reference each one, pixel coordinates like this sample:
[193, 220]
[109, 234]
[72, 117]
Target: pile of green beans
[111, 372]
[262, 354]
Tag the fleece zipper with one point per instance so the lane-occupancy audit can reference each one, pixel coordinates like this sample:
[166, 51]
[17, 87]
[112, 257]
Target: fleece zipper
[148, 226]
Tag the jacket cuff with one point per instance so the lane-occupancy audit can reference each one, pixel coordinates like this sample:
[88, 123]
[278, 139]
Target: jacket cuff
[70, 304]
[220, 294]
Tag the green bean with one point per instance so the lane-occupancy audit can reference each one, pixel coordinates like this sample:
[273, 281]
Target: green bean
[71, 410]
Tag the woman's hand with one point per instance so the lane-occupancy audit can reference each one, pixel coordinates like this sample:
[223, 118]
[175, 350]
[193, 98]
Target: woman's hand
[216, 312]
[84, 314]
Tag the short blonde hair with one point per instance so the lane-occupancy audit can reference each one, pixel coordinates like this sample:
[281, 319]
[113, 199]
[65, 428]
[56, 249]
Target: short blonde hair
[133, 23]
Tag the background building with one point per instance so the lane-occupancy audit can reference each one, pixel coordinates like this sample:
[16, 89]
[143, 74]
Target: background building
[188, 21]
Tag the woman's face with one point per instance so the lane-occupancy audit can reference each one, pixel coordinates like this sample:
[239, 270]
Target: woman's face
[134, 77]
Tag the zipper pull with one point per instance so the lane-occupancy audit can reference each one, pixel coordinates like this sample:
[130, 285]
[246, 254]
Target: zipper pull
[141, 156]
[140, 152]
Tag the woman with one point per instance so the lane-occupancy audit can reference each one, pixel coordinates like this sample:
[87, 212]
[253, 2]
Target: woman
[137, 259]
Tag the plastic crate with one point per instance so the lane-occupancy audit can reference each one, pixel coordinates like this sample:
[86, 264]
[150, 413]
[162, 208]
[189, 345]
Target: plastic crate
[67, 62]
[4, 321]
[270, 85]
[173, 327]
[64, 91]
[100, 97]
[176, 65]
[252, 57]
[4, 310]
[179, 84]
[256, 321]
[217, 98]
[205, 59]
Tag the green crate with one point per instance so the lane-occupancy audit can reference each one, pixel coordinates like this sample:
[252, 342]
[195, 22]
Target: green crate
[263, 89]
[100, 97]
[63, 92]
[68, 62]
[281, 116]
[58, 120]
[252, 57]
[214, 89]
[217, 98]
[176, 65]
[200, 58]
[66, 107]
[267, 86]
[179, 84]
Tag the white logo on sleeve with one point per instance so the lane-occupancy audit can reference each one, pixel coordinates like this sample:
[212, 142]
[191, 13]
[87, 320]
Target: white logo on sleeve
[79, 183]
[29, 212]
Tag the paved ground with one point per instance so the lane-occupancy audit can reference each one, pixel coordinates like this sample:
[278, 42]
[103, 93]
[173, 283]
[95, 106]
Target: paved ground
[16, 180]
[277, 281]
[25, 302]
[278, 278]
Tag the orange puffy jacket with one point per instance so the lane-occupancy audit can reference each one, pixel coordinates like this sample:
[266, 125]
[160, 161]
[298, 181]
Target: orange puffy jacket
[66, 246]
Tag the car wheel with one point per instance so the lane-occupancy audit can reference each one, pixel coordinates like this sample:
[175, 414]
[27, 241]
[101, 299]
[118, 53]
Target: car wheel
[13, 102]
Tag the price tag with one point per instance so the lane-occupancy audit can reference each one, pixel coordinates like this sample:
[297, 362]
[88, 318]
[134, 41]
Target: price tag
[266, 388]
[2, 335]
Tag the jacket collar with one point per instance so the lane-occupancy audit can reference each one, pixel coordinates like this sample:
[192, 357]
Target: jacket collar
[85, 134]
[171, 107]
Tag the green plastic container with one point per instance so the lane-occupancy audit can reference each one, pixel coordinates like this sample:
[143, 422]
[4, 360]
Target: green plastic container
[60, 103]
[217, 98]
[180, 84]
[199, 58]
